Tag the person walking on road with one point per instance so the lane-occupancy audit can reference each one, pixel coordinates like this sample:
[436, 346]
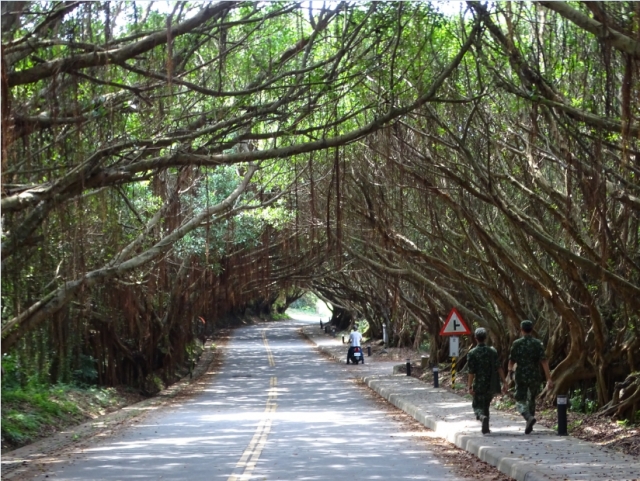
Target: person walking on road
[355, 338]
[482, 382]
[528, 355]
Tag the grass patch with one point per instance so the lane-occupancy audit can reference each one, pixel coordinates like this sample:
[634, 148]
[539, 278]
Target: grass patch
[33, 412]
[574, 425]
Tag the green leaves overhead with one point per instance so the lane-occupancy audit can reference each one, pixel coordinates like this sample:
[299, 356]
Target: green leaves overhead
[392, 157]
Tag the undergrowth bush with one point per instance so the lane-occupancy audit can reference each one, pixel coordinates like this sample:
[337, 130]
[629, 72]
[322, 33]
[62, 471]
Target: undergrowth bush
[27, 411]
[35, 410]
[582, 404]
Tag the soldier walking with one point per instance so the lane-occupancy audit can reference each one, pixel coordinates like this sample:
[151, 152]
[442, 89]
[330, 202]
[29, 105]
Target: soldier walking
[528, 354]
[483, 366]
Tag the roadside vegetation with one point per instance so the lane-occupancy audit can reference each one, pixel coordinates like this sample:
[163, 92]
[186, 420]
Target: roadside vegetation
[35, 410]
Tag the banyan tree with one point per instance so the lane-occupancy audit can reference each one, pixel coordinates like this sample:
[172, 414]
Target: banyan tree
[166, 171]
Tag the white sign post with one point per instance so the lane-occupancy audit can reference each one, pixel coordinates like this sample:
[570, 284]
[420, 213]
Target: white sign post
[454, 346]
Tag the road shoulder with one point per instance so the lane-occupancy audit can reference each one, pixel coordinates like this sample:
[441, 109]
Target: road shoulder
[23, 462]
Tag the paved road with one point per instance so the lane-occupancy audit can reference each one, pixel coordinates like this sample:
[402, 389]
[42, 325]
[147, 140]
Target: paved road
[277, 410]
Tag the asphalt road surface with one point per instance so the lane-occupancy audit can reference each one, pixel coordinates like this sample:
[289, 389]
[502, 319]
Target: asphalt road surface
[276, 411]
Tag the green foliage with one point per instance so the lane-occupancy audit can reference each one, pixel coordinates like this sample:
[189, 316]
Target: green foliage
[11, 373]
[29, 412]
[86, 372]
[575, 424]
[242, 230]
[362, 326]
[306, 303]
[276, 316]
[153, 384]
[579, 403]
[194, 350]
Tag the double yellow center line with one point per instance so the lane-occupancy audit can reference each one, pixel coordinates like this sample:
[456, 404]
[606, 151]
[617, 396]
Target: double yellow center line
[251, 455]
[272, 361]
[249, 458]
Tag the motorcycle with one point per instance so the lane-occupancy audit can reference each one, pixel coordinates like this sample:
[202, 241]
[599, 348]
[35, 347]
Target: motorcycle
[355, 355]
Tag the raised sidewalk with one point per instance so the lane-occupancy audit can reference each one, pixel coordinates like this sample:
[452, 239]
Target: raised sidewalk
[541, 455]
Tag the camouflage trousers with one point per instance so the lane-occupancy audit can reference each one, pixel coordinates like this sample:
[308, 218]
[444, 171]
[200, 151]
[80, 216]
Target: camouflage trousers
[525, 396]
[481, 403]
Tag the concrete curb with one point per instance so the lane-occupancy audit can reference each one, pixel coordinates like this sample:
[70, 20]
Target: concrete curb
[511, 466]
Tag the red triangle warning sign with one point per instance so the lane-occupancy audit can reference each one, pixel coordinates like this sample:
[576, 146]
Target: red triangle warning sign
[455, 325]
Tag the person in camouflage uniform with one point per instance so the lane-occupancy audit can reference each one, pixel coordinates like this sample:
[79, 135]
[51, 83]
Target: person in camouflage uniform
[483, 362]
[528, 354]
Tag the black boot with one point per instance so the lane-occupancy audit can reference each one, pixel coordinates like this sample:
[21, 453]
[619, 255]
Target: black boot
[530, 422]
[485, 424]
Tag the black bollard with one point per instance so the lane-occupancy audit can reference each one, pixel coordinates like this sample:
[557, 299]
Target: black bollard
[369, 351]
[343, 339]
[408, 367]
[321, 326]
[562, 415]
[435, 377]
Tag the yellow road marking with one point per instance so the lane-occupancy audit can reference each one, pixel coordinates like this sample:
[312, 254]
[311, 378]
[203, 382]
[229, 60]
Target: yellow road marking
[250, 457]
[272, 361]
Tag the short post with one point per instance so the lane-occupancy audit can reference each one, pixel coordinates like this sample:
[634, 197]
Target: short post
[369, 351]
[562, 415]
[424, 362]
[435, 377]
[453, 373]
[408, 367]
[343, 339]
[321, 324]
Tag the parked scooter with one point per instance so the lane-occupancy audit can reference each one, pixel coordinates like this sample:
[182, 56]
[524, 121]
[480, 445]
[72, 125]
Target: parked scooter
[355, 355]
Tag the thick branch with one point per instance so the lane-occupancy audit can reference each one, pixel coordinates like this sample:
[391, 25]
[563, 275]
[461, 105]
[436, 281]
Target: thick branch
[57, 299]
[54, 67]
[603, 32]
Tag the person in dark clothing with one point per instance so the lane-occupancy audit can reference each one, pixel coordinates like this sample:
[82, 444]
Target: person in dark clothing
[528, 355]
[483, 363]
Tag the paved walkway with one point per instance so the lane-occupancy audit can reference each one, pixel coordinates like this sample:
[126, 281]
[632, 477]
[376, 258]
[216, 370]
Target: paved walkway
[542, 455]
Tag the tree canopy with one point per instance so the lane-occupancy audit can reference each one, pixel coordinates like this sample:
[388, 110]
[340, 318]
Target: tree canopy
[166, 171]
